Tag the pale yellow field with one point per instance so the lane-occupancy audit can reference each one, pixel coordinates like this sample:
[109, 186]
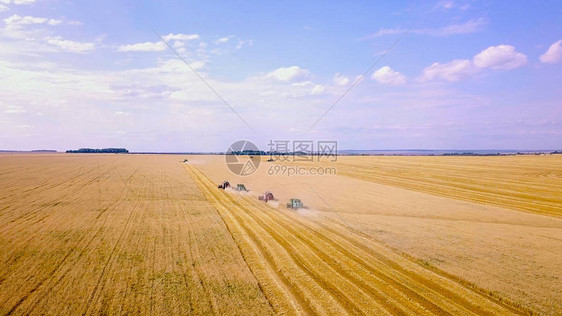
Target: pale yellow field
[115, 234]
[530, 183]
[514, 255]
[90, 234]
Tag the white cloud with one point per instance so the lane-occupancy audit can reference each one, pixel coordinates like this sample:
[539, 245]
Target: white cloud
[178, 42]
[387, 75]
[318, 89]
[449, 4]
[70, 46]
[143, 47]
[222, 40]
[17, 1]
[288, 73]
[303, 84]
[4, 7]
[470, 26]
[241, 43]
[500, 57]
[340, 80]
[451, 71]
[15, 21]
[180, 37]
[553, 54]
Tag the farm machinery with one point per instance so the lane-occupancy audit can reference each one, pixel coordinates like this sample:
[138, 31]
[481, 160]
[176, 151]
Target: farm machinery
[295, 204]
[240, 187]
[224, 185]
[267, 196]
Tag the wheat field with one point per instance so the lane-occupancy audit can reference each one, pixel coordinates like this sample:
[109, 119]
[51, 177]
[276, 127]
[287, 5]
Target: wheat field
[149, 234]
[115, 235]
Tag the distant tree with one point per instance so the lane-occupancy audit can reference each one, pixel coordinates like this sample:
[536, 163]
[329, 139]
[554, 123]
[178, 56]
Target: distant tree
[98, 151]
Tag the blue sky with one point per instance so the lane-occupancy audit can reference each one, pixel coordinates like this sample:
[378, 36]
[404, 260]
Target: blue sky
[469, 74]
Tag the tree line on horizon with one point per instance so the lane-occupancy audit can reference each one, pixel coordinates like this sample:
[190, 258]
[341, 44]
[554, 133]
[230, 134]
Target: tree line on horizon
[99, 151]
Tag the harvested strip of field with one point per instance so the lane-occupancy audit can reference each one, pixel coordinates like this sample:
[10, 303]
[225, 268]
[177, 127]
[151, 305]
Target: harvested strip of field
[529, 183]
[513, 255]
[107, 234]
[304, 265]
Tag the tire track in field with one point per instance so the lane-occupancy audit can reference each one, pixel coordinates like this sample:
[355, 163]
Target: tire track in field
[464, 284]
[62, 223]
[118, 201]
[57, 267]
[185, 270]
[110, 260]
[194, 253]
[387, 280]
[61, 263]
[385, 269]
[295, 298]
[69, 182]
[303, 259]
[386, 299]
[390, 281]
[410, 275]
[199, 275]
[310, 264]
[405, 276]
[26, 217]
[343, 300]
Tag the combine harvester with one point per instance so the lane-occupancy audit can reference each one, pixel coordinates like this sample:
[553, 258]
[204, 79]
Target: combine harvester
[240, 187]
[295, 204]
[267, 196]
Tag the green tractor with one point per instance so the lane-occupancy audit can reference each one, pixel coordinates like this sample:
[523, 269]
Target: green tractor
[240, 187]
[295, 204]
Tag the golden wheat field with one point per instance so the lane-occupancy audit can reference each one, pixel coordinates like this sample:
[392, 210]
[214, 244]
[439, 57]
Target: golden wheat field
[150, 234]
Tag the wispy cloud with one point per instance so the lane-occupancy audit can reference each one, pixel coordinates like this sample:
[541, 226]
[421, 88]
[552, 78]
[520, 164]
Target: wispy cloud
[70, 46]
[451, 71]
[18, 2]
[15, 21]
[178, 41]
[181, 37]
[222, 40]
[450, 4]
[470, 26]
[340, 80]
[143, 47]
